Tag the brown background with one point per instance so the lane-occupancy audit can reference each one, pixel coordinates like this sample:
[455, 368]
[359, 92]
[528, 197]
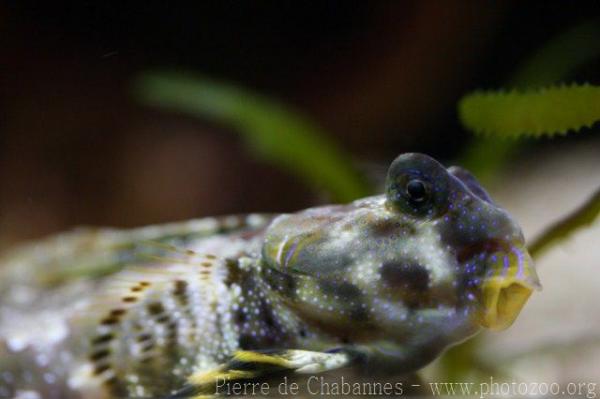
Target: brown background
[383, 77]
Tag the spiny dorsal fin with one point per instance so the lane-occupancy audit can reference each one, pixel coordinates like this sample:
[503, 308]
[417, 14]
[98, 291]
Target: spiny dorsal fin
[156, 320]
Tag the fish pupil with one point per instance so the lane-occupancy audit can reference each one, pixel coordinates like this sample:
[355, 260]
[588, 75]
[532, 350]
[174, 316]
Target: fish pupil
[416, 190]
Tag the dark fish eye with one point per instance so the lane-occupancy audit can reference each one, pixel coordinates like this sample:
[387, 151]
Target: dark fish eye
[417, 185]
[417, 190]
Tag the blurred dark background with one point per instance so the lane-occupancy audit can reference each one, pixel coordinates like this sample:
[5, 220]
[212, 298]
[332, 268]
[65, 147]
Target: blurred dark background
[382, 77]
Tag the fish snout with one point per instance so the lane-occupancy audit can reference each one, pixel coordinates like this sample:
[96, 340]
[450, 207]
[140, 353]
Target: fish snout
[509, 281]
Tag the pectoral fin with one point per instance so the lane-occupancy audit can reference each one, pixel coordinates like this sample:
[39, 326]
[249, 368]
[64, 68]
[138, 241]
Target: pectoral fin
[250, 365]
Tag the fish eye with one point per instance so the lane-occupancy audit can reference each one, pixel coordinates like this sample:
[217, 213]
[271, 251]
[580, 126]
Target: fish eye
[417, 185]
[417, 190]
[410, 192]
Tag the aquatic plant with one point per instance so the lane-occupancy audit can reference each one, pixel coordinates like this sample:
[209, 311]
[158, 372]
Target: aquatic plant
[518, 113]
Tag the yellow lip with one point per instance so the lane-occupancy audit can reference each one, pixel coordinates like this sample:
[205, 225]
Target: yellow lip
[510, 281]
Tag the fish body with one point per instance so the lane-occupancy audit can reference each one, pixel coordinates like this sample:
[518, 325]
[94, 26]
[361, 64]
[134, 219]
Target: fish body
[382, 284]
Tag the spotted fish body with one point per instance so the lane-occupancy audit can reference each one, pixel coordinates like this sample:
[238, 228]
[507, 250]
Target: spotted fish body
[384, 283]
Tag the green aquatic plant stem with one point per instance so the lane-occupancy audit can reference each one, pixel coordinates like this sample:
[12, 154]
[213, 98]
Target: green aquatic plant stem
[547, 111]
[556, 60]
[583, 216]
[504, 117]
[273, 132]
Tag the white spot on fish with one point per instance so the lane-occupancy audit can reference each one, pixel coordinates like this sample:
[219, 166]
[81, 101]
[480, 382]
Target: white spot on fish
[42, 330]
[49, 378]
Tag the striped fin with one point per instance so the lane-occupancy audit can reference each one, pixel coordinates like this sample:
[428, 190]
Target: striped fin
[98, 252]
[249, 365]
[154, 329]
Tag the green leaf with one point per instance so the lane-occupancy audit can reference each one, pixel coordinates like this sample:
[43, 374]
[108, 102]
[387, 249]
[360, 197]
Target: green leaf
[273, 132]
[555, 61]
[549, 111]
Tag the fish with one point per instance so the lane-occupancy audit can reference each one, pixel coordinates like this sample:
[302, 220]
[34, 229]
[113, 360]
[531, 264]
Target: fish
[382, 284]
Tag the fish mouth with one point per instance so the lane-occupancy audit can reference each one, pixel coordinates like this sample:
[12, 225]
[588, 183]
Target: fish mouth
[510, 280]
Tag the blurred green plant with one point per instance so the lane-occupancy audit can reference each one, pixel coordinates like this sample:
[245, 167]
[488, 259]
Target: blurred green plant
[273, 132]
[557, 60]
[549, 111]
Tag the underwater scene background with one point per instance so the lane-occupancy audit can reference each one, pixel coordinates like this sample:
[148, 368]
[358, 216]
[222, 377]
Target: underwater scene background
[122, 114]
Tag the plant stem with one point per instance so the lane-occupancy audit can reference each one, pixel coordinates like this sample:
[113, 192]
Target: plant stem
[565, 227]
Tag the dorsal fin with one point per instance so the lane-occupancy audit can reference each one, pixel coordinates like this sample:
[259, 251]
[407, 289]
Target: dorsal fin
[157, 322]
